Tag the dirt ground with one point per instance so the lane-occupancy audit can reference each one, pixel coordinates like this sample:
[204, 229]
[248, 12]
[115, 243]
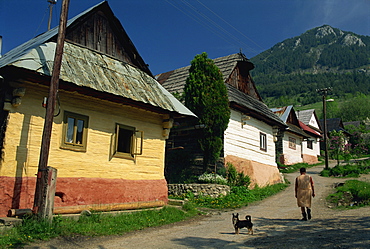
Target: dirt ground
[276, 225]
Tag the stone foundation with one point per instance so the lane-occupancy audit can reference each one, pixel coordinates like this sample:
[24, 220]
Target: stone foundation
[212, 190]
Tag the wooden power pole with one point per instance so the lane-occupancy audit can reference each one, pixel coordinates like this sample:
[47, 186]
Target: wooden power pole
[324, 93]
[43, 175]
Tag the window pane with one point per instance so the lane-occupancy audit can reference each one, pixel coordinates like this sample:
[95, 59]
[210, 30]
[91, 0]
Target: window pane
[70, 126]
[263, 142]
[80, 129]
[124, 140]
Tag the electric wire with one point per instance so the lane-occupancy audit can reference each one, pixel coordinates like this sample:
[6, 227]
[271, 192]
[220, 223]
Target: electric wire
[201, 18]
[195, 18]
[214, 23]
[42, 20]
[229, 24]
[198, 20]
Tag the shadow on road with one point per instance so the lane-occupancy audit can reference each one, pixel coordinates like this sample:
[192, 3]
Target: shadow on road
[342, 232]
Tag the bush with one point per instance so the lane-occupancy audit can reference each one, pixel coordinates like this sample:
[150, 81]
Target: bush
[238, 197]
[348, 170]
[235, 178]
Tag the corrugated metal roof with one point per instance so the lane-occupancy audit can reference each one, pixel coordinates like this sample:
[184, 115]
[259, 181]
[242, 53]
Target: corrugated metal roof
[87, 68]
[282, 112]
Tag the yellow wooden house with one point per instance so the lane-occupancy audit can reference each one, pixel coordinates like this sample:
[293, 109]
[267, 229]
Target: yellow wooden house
[111, 121]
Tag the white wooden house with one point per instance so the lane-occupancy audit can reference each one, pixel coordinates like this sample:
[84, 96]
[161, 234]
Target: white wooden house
[289, 146]
[249, 138]
[311, 126]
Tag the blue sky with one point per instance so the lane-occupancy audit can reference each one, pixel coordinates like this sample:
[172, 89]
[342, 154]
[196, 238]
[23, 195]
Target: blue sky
[169, 33]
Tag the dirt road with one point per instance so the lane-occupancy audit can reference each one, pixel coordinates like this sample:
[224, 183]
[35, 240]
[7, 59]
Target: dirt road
[276, 225]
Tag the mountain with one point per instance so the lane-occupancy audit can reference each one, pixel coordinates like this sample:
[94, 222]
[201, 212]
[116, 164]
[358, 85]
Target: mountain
[292, 70]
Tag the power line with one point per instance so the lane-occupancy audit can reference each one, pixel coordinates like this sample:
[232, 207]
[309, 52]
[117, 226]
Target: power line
[215, 24]
[201, 18]
[229, 24]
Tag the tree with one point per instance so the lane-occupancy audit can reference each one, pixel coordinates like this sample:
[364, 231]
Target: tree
[206, 95]
[338, 146]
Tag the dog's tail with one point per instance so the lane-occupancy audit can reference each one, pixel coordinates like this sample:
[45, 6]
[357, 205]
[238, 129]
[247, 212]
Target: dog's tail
[248, 218]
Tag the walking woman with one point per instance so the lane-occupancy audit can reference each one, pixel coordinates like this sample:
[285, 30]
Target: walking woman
[304, 189]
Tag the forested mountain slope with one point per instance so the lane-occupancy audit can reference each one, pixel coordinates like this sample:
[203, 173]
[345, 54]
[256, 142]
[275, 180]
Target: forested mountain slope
[292, 70]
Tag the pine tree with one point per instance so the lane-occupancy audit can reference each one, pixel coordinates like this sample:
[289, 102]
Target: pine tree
[206, 95]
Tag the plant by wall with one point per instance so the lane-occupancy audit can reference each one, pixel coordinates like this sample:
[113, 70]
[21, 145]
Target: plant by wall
[206, 95]
[235, 178]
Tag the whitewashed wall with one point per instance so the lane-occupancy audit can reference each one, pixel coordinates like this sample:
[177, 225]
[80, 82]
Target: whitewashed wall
[243, 140]
[292, 156]
[314, 122]
[315, 151]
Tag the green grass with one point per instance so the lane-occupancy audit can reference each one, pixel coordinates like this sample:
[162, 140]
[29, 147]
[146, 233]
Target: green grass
[239, 196]
[295, 167]
[100, 224]
[352, 194]
[96, 224]
[348, 170]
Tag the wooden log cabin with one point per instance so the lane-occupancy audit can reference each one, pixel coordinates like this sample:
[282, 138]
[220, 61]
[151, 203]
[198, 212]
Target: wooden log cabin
[110, 127]
[249, 140]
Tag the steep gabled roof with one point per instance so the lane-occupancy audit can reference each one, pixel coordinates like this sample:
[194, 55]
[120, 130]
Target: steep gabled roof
[89, 72]
[174, 81]
[251, 106]
[288, 116]
[306, 115]
[51, 35]
[309, 130]
[334, 124]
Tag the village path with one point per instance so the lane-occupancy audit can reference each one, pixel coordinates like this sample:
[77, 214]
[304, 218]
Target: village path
[276, 225]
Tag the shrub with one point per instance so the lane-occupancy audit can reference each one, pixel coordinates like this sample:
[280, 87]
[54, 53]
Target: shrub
[348, 170]
[235, 178]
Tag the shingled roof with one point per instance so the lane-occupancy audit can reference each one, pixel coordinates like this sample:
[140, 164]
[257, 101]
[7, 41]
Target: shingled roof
[305, 115]
[252, 106]
[174, 81]
[94, 73]
[334, 124]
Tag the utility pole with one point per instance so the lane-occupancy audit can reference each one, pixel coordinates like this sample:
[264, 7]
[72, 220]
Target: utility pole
[324, 93]
[39, 206]
[52, 3]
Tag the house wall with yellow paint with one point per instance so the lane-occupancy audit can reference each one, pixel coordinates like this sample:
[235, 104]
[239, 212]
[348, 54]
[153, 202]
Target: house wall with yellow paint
[93, 177]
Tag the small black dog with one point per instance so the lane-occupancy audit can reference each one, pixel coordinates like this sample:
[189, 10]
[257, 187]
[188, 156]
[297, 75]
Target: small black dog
[242, 223]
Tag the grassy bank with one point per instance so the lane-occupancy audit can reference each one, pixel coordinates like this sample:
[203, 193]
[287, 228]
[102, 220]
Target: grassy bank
[96, 224]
